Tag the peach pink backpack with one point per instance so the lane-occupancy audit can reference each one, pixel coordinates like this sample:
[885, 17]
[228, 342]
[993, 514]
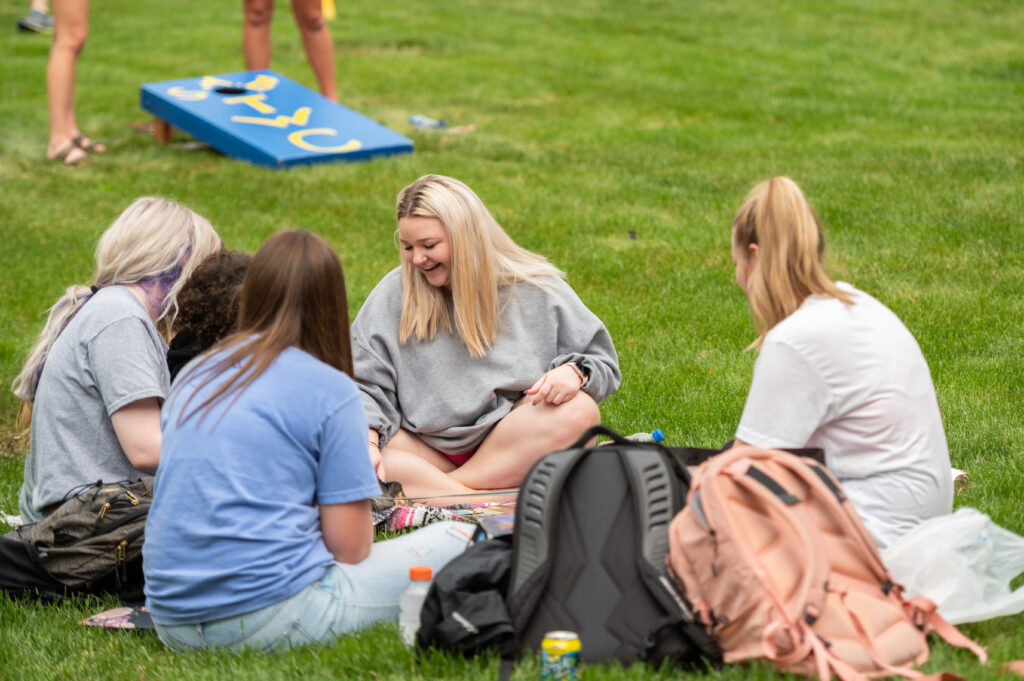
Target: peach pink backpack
[777, 562]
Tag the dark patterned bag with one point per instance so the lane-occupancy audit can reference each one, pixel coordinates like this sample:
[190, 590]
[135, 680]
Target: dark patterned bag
[91, 543]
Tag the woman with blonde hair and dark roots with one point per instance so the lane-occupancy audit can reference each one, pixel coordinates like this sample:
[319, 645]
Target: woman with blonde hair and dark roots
[836, 369]
[474, 357]
[97, 374]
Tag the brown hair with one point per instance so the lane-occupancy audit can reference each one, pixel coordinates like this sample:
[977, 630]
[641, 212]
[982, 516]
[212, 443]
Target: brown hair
[293, 295]
[208, 302]
[791, 249]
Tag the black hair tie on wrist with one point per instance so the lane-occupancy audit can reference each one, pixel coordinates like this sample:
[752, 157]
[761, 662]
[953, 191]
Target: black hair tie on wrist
[94, 289]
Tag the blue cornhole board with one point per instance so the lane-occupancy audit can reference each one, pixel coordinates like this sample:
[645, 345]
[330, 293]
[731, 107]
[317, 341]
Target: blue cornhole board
[262, 117]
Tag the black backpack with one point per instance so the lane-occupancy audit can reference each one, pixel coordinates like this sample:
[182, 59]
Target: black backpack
[90, 544]
[588, 555]
[590, 548]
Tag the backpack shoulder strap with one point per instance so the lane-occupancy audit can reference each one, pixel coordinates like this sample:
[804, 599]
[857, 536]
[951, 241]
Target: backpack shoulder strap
[742, 467]
[534, 530]
[658, 494]
[925, 615]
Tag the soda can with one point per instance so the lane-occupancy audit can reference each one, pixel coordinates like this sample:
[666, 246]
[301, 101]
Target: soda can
[560, 656]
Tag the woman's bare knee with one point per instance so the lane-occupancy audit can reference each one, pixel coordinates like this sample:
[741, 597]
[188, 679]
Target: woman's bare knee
[72, 39]
[578, 414]
[309, 16]
[259, 13]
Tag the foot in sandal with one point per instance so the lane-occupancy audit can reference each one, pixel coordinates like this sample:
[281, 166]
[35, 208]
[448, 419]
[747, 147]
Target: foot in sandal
[70, 155]
[88, 144]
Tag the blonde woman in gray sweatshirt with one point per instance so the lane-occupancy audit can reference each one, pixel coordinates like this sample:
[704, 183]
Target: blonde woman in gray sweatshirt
[474, 357]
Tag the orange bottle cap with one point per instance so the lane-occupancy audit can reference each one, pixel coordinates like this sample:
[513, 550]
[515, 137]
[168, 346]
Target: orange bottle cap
[420, 573]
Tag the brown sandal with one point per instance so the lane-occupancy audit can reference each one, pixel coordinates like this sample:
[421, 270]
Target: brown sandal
[86, 144]
[67, 156]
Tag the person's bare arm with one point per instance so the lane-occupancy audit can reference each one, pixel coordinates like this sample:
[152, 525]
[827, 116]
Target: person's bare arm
[375, 454]
[347, 530]
[137, 426]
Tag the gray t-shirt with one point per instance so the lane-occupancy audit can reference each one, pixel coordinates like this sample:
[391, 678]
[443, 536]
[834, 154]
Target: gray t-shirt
[109, 356]
[451, 399]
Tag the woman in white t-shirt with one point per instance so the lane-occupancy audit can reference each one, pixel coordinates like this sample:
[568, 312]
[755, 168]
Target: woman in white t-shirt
[836, 370]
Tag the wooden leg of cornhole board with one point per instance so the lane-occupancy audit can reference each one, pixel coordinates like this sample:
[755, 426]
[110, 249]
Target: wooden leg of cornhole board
[161, 131]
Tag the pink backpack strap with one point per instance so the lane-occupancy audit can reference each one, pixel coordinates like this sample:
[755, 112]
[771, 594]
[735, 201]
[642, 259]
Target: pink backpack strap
[795, 525]
[869, 646]
[927, 618]
[811, 593]
[827, 663]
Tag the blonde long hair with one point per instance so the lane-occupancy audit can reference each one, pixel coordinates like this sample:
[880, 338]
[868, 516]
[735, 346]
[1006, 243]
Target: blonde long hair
[155, 243]
[791, 248]
[483, 259]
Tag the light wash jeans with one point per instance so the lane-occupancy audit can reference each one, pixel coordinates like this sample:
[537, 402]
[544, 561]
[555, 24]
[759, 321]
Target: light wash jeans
[346, 598]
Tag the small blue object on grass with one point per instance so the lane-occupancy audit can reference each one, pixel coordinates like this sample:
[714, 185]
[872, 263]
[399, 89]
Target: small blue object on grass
[264, 118]
[654, 436]
[421, 122]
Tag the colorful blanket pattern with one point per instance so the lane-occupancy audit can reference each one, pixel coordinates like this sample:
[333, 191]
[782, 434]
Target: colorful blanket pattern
[130, 616]
[407, 517]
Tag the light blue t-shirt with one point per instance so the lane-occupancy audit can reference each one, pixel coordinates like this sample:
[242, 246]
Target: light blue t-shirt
[234, 525]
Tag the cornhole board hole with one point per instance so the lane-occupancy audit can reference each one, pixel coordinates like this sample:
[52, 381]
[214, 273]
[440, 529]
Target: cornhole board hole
[264, 118]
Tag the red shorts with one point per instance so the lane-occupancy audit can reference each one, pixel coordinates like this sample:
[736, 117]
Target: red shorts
[459, 459]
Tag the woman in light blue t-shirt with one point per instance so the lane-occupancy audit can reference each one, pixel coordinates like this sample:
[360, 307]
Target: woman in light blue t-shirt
[260, 533]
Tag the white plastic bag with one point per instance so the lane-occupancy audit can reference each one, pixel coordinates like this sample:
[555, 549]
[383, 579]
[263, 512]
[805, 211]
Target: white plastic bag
[963, 562]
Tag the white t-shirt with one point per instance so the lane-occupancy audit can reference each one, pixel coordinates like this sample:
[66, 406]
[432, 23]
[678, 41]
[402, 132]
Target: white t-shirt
[851, 379]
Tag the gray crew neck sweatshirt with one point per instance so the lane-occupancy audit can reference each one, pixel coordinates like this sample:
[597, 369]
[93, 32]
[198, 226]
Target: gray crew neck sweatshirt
[450, 399]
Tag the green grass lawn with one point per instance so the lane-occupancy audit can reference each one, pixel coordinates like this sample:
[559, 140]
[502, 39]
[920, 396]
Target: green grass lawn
[902, 120]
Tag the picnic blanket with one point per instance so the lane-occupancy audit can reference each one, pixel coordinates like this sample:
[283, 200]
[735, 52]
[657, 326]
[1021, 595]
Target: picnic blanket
[404, 517]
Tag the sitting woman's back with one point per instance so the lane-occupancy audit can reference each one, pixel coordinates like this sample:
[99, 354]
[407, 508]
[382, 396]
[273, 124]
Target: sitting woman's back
[836, 370]
[97, 374]
[261, 515]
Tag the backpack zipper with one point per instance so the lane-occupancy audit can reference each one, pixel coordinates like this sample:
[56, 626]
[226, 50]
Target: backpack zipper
[698, 511]
[680, 603]
[117, 502]
[121, 551]
[111, 527]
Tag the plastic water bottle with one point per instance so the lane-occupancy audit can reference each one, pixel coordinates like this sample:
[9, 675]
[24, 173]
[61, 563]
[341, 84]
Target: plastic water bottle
[421, 122]
[411, 602]
[654, 436]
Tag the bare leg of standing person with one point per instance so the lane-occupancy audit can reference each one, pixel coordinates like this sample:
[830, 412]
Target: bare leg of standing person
[256, 33]
[71, 28]
[309, 17]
